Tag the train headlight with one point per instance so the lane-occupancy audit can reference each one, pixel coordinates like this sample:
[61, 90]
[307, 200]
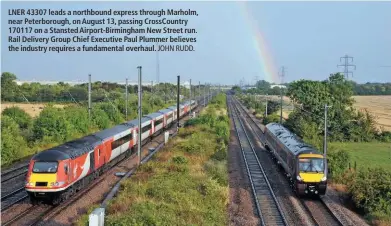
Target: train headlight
[29, 184]
[57, 184]
[298, 178]
[324, 178]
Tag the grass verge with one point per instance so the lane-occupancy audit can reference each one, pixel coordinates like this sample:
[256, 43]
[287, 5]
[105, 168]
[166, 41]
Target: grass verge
[186, 182]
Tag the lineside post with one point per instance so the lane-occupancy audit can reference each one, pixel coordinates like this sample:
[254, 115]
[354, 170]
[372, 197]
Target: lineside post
[139, 115]
[126, 100]
[325, 131]
[89, 96]
[177, 101]
[266, 105]
[190, 98]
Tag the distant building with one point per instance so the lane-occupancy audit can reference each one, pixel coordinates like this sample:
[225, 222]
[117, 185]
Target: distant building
[280, 86]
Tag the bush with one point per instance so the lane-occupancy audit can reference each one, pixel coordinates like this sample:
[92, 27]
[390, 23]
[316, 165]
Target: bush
[337, 162]
[52, 122]
[23, 119]
[13, 146]
[371, 190]
[271, 118]
[78, 118]
[100, 119]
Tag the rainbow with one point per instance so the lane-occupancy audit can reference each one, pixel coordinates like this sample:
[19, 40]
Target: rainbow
[260, 44]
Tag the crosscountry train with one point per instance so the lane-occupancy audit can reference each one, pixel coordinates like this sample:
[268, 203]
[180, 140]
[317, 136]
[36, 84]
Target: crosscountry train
[57, 173]
[305, 167]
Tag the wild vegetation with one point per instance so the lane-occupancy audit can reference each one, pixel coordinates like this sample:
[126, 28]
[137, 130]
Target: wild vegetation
[185, 183]
[349, 131]
[23, 135]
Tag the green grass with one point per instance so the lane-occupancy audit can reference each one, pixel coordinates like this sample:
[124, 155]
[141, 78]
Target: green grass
[185, 183]
[373, 154]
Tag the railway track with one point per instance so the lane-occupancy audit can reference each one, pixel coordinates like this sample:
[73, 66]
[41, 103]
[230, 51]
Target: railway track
[319, 212]
[14, 173]
[267, 205]
[35, 215]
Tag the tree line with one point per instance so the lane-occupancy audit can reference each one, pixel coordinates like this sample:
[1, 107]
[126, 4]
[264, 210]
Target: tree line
[100, 91]
[23, 135]
[263, 87]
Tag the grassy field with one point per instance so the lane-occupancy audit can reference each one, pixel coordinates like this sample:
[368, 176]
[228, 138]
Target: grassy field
[31, 109]
[367, 154]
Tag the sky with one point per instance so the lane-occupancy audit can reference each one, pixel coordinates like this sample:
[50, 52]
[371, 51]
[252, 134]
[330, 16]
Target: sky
[235, 40]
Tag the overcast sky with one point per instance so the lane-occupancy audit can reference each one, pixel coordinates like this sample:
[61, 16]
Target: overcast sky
[308, 38]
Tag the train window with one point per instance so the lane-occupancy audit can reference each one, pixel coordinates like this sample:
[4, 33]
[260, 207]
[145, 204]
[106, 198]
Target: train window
[158, 122]
[146, 128]
[99, 152]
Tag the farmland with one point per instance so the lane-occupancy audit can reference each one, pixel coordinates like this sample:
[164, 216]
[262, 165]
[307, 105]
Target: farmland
[32, 109]
[379, 106]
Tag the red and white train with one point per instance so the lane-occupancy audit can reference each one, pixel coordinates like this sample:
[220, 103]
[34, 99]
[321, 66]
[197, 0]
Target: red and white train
[57, 173]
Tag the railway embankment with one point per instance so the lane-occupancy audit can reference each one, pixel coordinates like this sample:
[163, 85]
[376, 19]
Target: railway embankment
[185, 183]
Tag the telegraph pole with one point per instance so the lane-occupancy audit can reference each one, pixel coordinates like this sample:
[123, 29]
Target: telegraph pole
[190, 98]
[282, 77]
[266, 105]
[199, 89]
[126, 100]
[346, 65]
[139, 115]
[177, 103]
[325, 130]
[89, 96]
[157, 64]
[204, 94]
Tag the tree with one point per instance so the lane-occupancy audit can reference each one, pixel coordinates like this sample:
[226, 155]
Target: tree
[263, 86]
[8, 86]
[310, 97]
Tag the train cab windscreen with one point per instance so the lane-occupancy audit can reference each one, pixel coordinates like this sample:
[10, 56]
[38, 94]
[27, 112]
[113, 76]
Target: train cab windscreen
[45, 167]
[311, 165]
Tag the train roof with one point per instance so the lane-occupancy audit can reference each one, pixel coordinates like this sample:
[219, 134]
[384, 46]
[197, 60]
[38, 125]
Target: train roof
[290, 140]
[165, 111]
[107, 133]
[154, 115]
[70, 149]
[134, 122]
[174, 107]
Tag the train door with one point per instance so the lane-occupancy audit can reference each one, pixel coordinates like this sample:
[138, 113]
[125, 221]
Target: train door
[67, 171]
[92, 161]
